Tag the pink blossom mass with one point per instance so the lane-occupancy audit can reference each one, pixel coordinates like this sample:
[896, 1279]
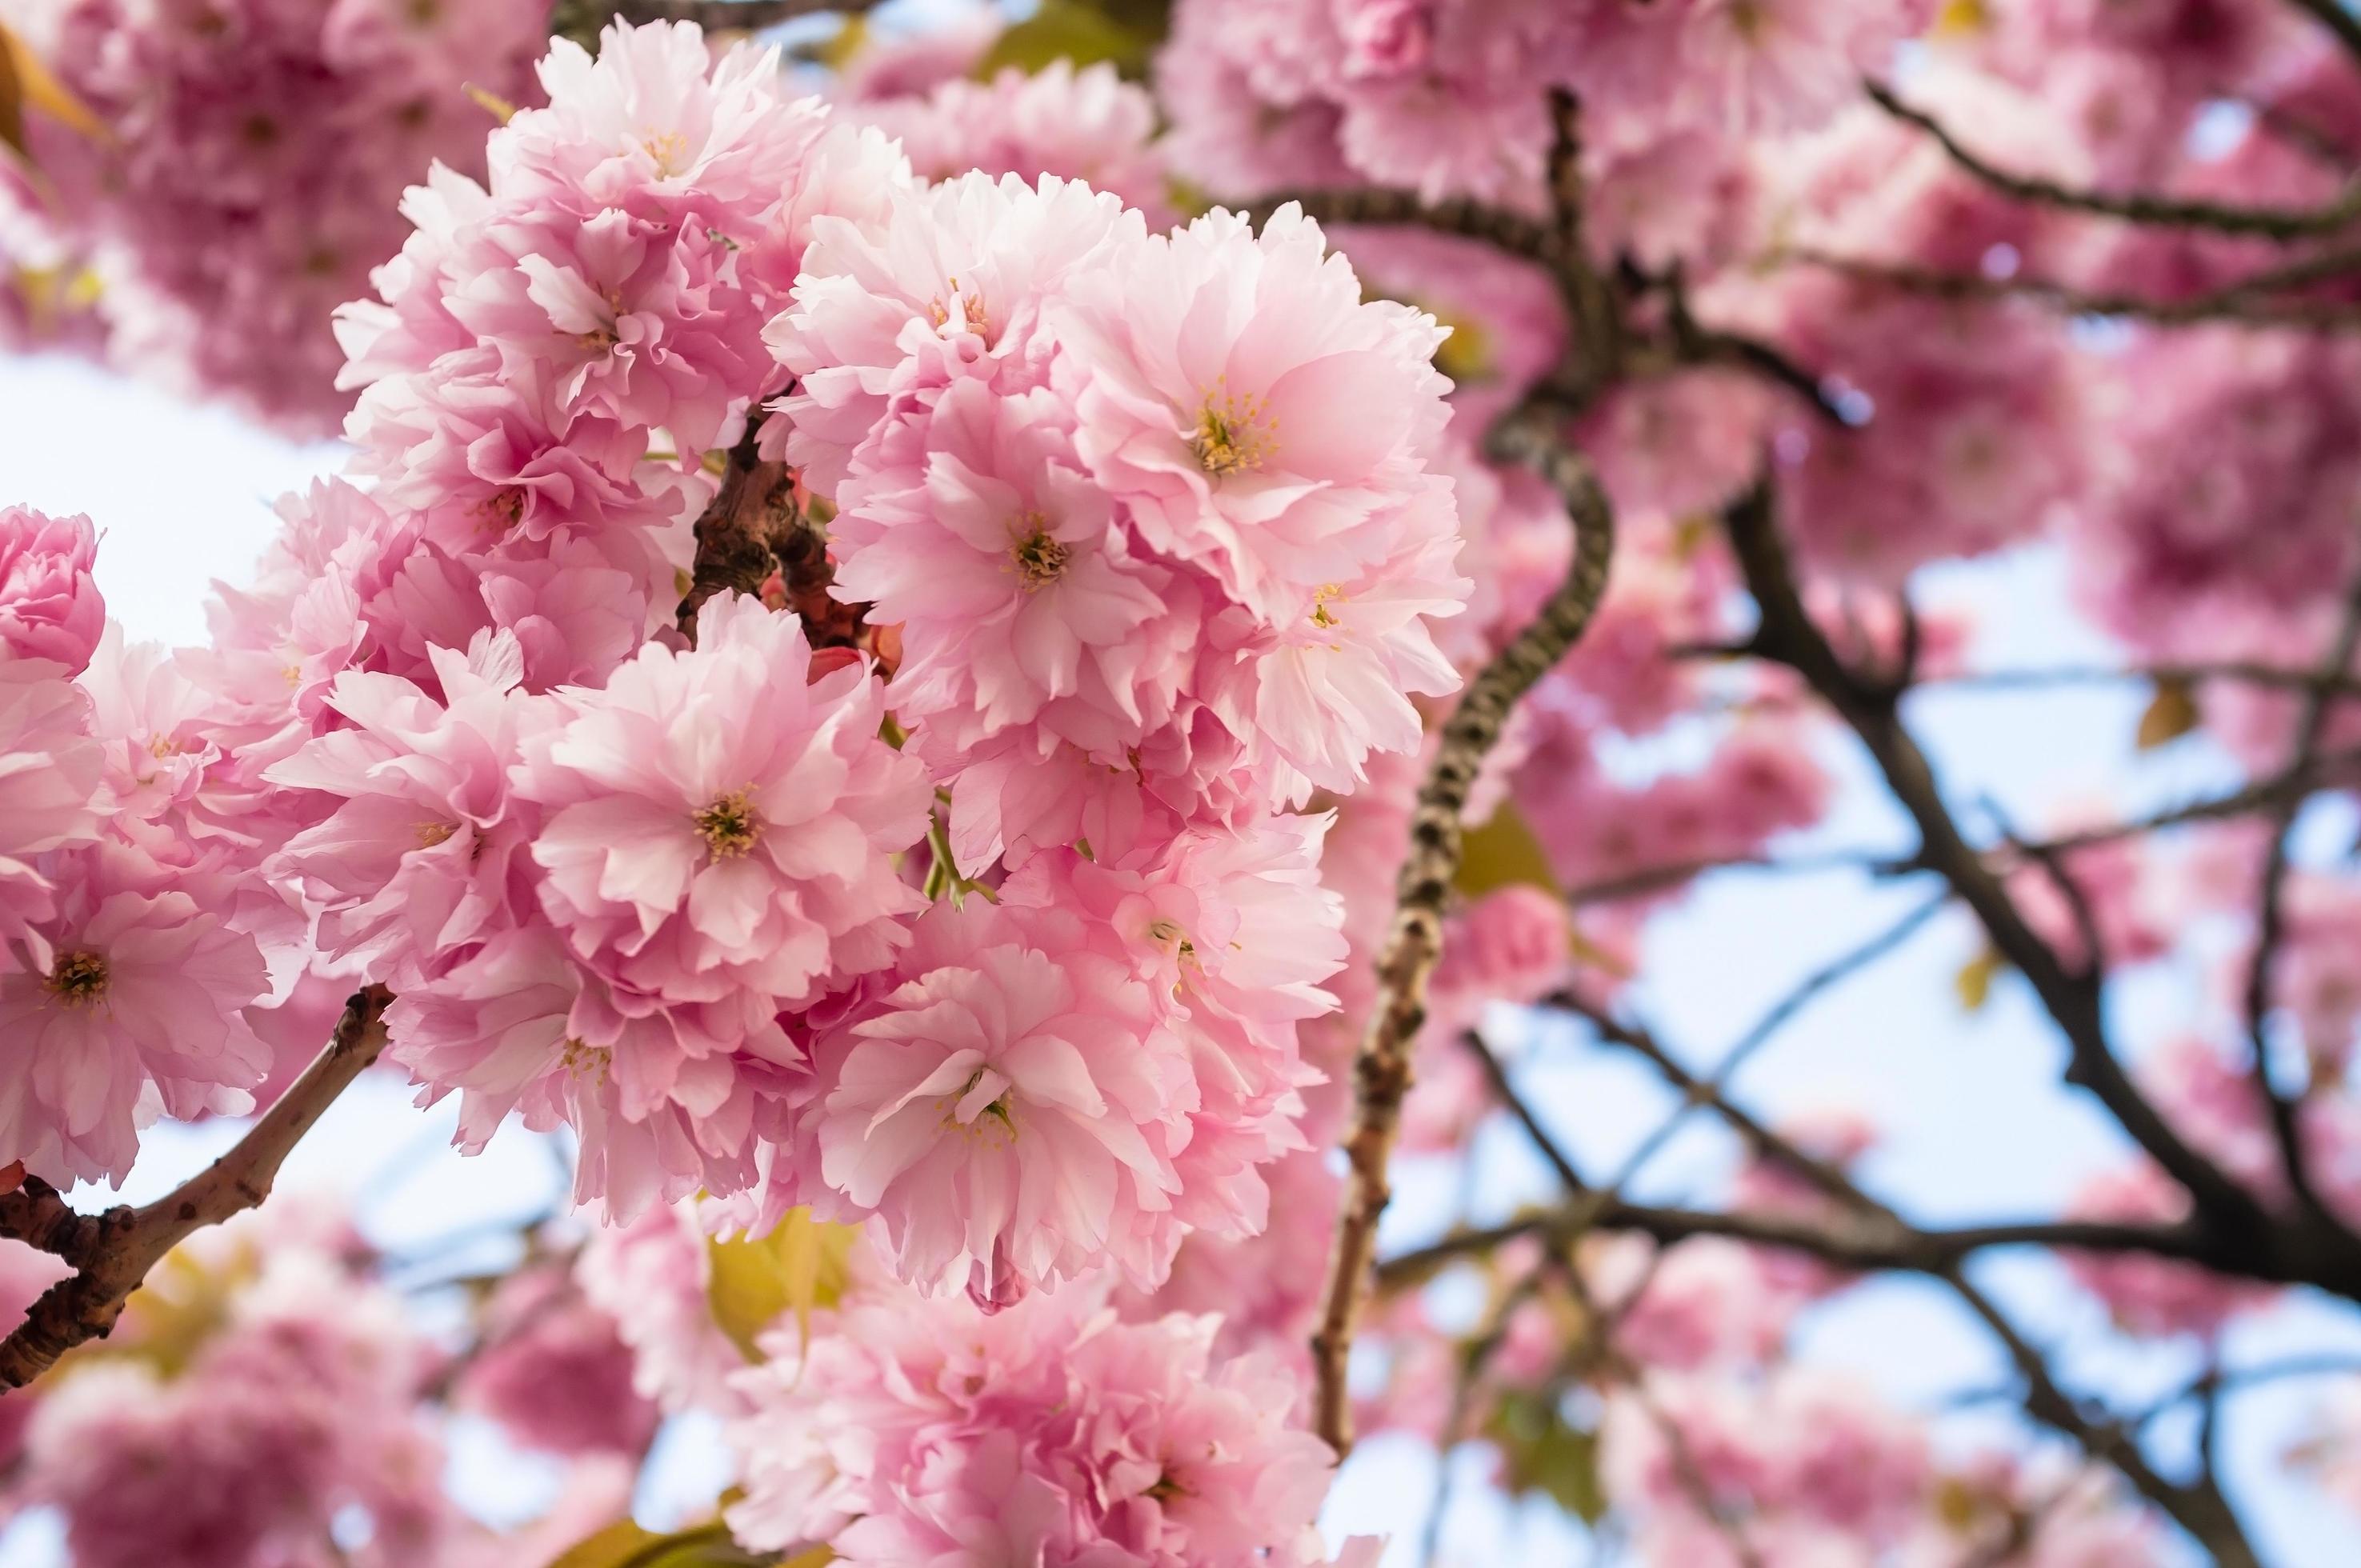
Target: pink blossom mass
[1212, 784]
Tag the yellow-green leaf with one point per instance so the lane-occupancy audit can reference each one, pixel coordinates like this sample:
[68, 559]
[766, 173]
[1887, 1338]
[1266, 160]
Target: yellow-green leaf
[626, 1545]
[1503, 852]
[1541, 1453]
[1068, 30]
[1961, 18]
[492, 102]
[26, 83]
[2171, 713]
[1975, 978]
[800, 1265]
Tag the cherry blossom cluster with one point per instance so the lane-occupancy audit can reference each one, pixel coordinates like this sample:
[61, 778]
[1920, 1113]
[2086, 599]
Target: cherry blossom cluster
[242, 178]
[1153, 522]
[131, 925]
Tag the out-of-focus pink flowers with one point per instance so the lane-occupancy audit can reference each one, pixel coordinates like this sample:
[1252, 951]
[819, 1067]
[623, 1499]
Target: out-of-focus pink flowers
[244, 179]
[276, 1394]
[915, 1430]
[550, 1369]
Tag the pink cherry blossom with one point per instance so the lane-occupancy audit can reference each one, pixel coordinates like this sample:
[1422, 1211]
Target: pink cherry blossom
[924, 1431]
[692, 871]
[138, 1005]
[50, 607]
[1010, 1109]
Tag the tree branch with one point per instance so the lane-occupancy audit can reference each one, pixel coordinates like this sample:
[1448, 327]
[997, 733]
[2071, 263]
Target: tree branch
[113, 1252]
[1375, 205]
[1381, 1070]
[2311, 727]
[1505, 1093]
[1787, 635]
[713, 16]
[2247, 302]
[2198, 1506]
[1868, 1240]
[2270, 223]
[2236, 671]
[735, 531]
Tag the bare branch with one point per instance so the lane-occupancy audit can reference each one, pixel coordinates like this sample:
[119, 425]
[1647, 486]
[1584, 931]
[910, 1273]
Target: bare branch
[713, 16]
[2332, 770]
[1786, 634]
[1650, 879]
[2249, 301]
[2270, 918]
[2232, 671]
[1506, 1092]
[1381, 1070]
[2270, 223]
[1869, 1240]
[115, 1251]
[2197, 1506]
[1375, 205]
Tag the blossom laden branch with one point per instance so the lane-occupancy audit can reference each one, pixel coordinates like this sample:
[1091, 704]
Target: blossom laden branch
[1381, 1070]
[112, 1253]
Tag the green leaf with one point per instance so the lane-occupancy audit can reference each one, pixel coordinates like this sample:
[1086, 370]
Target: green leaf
[800, 1265]
[626, 1545]
[1542, 1452]
[1085, 34]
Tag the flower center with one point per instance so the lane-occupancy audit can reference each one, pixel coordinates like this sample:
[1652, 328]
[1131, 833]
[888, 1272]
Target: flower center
[728, 825]
[1233, 434]
[957, 1114]
[79, 978]
[432, 833]
[965, 308]
[1040, 559]
[586, 1060]
[1167, 933]
[1322, 615]
[670, 151]
[1166, 1488]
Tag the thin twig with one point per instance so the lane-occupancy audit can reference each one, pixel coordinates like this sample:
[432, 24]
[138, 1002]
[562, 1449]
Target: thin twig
[2233, 671]
[2311, 727]
[2248, 302]
[1506, 1092]
[1650, 879]
[1378, 207]
[2198, 1506]
[713, 16]
[2270, 222]
[121, 1245]
[1381, 1070]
